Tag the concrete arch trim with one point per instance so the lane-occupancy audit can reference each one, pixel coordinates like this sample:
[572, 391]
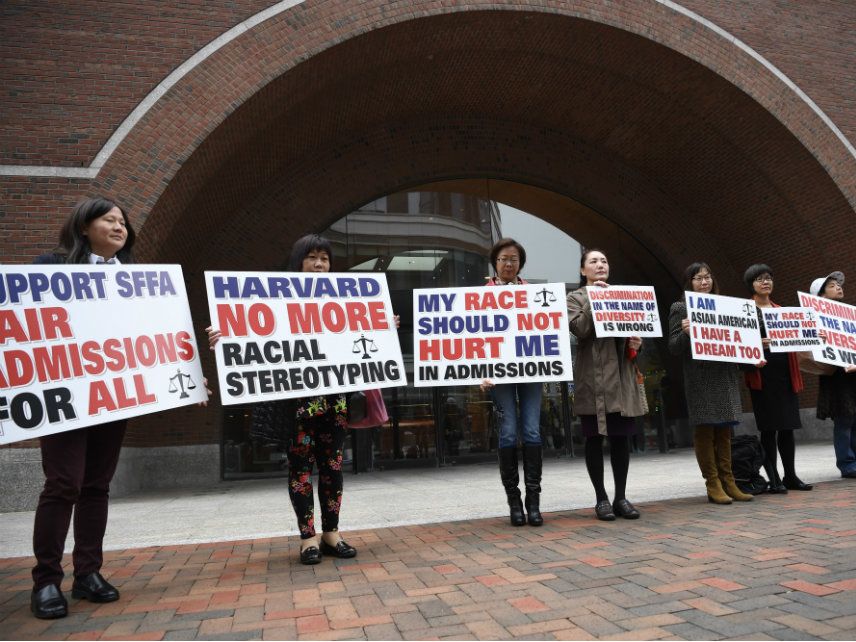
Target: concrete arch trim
[209, 50]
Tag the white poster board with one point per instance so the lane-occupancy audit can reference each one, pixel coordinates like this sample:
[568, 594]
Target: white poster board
[724, 328]
[462, 336]
[838, 324]
[84, 345]
[625, 311]
[301, 334]
[791, 329]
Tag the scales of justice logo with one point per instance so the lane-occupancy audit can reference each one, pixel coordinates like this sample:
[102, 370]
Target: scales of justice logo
[365, 346]
[180, 382]
[544, 297]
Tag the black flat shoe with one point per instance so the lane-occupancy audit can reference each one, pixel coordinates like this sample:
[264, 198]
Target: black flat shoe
[777, 489]
[341, 549]
[625, 509]
[310, 555]
[48, 603]
[603, 510]
[94, 588]
[796, 483]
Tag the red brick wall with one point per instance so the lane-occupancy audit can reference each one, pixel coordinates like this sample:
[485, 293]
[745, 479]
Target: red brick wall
[658, 123]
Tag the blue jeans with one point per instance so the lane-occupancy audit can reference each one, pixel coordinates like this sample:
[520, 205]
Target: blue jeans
[507, 397]
[844, 441]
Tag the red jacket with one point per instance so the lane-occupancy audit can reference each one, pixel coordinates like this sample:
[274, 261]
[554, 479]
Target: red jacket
[754, 381]
[492, 281]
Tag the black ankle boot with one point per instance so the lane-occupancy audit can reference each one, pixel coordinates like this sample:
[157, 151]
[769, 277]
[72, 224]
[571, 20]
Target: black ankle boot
[532, 480]
[510, 479]
[793, 482]
[776, 486]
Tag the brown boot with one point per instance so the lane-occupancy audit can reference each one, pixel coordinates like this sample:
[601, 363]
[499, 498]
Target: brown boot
[722, 442]
[706, 457]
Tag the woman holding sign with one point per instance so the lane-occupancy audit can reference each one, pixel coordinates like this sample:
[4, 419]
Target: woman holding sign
[512, 399]
[79, 464]
[315, 430]
[774, 390]
[713, 396]
[606, 394]
[836, 398]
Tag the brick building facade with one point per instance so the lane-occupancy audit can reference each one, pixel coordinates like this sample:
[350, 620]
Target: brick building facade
[702, 129]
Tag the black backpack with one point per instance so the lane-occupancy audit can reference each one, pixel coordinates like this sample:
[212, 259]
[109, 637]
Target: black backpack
[747, 457]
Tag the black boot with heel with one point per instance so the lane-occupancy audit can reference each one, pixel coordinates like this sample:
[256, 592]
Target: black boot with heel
[510, 480]
[532, 464]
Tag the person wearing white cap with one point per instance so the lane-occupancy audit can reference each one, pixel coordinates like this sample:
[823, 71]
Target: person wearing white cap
[836, 398]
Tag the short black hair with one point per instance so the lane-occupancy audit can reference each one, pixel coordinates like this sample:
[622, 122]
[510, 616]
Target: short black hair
[503, 243]
[695, 268]
[303, 246]
[753, 272]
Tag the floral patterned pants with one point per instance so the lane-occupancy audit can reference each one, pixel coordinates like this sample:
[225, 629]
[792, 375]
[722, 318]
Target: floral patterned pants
[318, 440]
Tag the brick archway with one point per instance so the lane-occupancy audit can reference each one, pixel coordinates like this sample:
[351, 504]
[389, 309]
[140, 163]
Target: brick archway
[660, 144]
[683, 160]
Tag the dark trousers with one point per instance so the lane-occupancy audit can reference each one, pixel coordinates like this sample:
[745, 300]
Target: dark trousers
[78, 467]
[318, 441]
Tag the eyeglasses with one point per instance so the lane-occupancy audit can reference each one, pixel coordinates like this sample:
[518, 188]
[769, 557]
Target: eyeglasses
[764, 279]
[703, 279]
[505, 259]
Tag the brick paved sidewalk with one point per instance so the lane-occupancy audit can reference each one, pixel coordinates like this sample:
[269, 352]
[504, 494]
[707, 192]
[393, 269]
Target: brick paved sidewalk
[782, 567]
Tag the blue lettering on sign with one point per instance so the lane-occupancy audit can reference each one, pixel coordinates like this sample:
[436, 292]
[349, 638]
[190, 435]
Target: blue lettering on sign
[551, 345]
[483, 323]
[144, 283]
[293, 287]
[536, 345]
[706, 304]
[431, 302]
[225, 287]
[830, 323]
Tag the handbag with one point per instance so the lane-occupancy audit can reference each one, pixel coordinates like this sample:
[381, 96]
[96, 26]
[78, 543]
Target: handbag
[375, 413]
[808, 365]
[356, 407]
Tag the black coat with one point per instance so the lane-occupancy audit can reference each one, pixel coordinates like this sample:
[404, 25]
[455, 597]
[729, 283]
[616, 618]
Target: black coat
[837, 395]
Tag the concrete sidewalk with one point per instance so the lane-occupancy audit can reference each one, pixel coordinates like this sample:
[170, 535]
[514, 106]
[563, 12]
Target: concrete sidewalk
[255, 509]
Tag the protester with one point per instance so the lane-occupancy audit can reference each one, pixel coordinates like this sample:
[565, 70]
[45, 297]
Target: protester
[606, 395]
[712, 390]
[315, 432]
[518, 408]
[836, 397]
[79, 464]
[774, 389]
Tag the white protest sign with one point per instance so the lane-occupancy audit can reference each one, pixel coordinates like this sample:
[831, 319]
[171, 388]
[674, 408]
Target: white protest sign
[791, 329]
[724, 328]
[625, 311]
[83, 345]
[301, 334]
[507, 334]
[838, 323]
